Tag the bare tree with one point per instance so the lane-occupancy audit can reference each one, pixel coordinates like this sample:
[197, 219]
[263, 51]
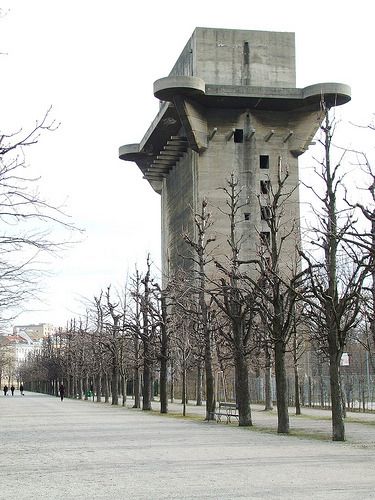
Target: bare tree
[144, 328]
[181, 339]
[201, 314]
[299, 338]
[365, 237]
[279, 279]
[113, 341]
[160, 317]
[164, 351]
[23, 212]
[335, 282]
[235, 299]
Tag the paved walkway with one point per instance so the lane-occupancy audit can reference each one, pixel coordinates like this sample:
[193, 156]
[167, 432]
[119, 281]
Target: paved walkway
[75, 449]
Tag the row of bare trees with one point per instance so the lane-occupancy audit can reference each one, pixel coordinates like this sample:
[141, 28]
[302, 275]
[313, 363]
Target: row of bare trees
[239, 312]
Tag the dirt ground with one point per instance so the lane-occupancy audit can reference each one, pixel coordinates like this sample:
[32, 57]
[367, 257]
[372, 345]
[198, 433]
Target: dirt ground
[79, 449]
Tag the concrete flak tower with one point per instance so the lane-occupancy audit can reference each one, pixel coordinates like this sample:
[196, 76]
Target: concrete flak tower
[230, 104]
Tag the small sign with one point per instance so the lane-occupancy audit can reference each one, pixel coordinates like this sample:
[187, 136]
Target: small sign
[344, 359]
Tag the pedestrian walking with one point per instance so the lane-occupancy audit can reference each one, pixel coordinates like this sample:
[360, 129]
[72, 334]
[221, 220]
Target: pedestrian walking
[12, 389]
[5, 389]
[61, 391]
[21, 390]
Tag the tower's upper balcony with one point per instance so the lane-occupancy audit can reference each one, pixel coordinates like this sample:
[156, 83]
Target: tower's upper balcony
[222, 68]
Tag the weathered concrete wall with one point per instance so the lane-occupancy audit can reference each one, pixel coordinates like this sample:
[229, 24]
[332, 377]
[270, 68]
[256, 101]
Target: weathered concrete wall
[178, 207]
[184, 65]
[204, 175]
[239, 57]
[225, 156]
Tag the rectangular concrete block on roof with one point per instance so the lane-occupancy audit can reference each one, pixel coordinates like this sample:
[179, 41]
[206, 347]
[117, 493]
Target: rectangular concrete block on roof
[239, 57]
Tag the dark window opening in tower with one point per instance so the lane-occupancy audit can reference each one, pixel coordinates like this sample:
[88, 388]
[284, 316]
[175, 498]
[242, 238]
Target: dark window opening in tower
[246, 216]
[238, 135]
[264, 161]
[265, 187]
[246, 53]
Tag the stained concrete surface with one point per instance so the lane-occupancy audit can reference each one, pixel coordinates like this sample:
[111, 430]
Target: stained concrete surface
[75, 449]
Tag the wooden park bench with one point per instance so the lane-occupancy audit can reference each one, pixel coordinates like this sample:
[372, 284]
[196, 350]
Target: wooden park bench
[226, 410]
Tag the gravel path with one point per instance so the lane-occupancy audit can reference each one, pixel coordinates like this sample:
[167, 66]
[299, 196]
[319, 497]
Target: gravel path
[76, 449]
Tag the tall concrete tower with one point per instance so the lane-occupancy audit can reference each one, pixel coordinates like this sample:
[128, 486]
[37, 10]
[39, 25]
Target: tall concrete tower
[230, 104]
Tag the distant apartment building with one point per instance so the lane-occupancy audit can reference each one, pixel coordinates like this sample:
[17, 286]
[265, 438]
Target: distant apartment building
[35, 332]
[19, 346]
[15, 347]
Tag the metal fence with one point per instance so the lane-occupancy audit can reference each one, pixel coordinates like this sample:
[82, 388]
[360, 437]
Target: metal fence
[358, 392]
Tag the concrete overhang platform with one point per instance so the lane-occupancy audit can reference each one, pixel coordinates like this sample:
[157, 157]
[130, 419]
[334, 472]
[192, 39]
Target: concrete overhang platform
[184, 99]
[260, 98]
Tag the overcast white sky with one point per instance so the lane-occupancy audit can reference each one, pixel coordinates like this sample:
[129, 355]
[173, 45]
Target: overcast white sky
[95, 62]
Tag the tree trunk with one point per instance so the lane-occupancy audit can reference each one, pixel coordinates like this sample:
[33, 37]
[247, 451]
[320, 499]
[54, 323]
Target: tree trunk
[199, 384]
[137, 389]
[281, 389]
[107, 390]
[172, 381]
[147, 372]
[164, 348]
[152, 386]
[123, 389]
[99, 388]
[321, 384]
[87, 388]
[114, 382]
[74, 387]
[296, 390]
[210, 383]
[163, 380]
[184, 391]
[267, 381]
[295, 366]
[338, 428]
[242, 387]
[343, 400]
